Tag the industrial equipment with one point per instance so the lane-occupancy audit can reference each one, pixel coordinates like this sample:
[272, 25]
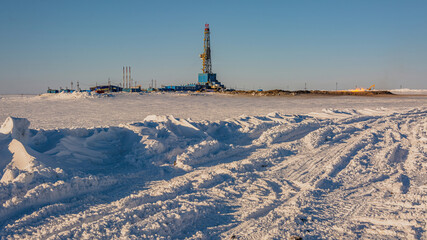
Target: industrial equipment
[207, 78]
[206, 55]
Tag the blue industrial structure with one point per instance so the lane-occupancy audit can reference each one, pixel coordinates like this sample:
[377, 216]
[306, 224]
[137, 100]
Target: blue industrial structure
[61, 90]
[209, 79]
[66, 90]
[49, 90]
[205, 78]
[188, 87]
[132, 89]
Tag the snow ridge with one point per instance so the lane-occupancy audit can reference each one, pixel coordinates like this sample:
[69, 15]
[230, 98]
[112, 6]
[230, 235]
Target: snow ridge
[336, 174]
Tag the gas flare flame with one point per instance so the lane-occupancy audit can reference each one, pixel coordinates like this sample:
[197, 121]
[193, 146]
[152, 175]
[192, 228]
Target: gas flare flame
[363, 89]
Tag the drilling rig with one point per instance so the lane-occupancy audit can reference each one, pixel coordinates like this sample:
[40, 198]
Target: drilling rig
[207, 78]
[206, 55]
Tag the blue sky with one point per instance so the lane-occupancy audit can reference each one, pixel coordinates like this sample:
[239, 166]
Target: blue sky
[255, 44]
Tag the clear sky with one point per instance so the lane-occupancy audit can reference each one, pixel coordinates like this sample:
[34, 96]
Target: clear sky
[255, 44]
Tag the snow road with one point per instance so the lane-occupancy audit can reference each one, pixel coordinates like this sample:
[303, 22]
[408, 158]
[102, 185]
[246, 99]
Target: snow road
[331, 174]
[86, 110]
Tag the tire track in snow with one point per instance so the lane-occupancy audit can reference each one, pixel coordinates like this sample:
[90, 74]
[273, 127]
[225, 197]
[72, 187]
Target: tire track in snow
[330, 178]
[375, 126]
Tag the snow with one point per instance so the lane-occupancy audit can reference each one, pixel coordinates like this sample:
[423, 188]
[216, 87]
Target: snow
[185, 166]
[409, 91]
[51, 111]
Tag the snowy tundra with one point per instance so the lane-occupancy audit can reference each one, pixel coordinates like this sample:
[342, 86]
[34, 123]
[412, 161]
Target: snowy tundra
[183, 166]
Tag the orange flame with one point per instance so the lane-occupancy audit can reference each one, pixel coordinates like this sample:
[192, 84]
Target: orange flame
[362, 89]
[358, 90]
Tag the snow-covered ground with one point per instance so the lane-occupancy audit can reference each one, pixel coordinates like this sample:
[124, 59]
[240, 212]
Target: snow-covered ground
[409, 91]
[121, 166]
[50, 111]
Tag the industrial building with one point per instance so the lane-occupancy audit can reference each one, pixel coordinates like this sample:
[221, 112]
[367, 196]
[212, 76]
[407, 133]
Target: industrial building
[106, 89]
[133, 89]
[188, 87]
[49, 90]
[61, 90]
[128, 84]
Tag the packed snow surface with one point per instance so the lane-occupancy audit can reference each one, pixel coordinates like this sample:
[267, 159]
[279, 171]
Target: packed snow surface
[51, 111]
[409, 91]
[302, 170]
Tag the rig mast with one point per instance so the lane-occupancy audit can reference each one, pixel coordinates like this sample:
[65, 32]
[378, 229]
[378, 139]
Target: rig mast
[206, 55]
[207, 79]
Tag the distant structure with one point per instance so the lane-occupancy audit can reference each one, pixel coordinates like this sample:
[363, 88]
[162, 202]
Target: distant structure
[49, 90]
[207, 80]
[123, 78]
[128, 85]
[127, 80]
[206, 55]
[105, 88]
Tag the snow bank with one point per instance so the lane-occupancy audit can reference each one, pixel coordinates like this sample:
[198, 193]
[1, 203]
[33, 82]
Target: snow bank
[409, 91]
[339, 173]
[74, 95]
[17, 128]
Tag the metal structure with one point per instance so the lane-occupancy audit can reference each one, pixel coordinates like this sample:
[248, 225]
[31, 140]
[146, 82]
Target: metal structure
[208, 78]
[206, 55]
[127, 77]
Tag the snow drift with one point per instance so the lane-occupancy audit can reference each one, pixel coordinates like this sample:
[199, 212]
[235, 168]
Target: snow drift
[409, 91]
[335, 174]
[74, 95]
